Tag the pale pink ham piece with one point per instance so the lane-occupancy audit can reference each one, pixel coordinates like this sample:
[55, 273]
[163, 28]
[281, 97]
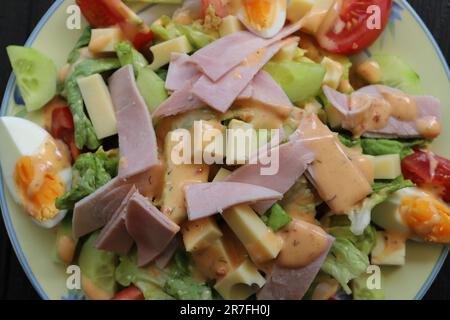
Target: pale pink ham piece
[114, 236]
[427, 106]
[221, 94]
[207, 199]
[94, 211]
[164, 258]
[292, 284]
[294, 158]
[180, 101]
[218, 58]
[137, 138]
[180, 71]
[151, 230]
[264, 90]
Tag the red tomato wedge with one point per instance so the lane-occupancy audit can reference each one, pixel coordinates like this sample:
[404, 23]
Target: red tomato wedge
[430, 171]
[220, 9]
[130, 293]
[356, 25]
[62, 127]
[107, 13]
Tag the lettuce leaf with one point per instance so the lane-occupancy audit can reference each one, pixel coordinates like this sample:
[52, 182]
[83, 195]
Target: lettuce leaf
[128, 55]
[90, 172]
[277, 218]
[362, 292]
[378, 147]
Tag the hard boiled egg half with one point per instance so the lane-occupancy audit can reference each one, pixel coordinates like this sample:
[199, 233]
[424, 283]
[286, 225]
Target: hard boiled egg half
[36, 169]
[265, 18]
[417, 213]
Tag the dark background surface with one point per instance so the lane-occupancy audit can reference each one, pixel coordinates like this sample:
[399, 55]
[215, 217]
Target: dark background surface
[17, 20]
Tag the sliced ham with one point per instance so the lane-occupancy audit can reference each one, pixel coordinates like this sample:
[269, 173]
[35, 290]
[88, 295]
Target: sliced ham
[427, 106]
[294, 158]
[218, 58]
[221, 94]
[151, 230]
[292, 284]
[164, 258]
[266, 91]
[114, 236]
[206, 199]
[180, 71]
[94, 211]
[180, 101]
[137, 138]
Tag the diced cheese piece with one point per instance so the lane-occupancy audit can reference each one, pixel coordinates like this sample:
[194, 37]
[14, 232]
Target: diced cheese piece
[230, 25]
[259, 240]
[297, 9]
[287, 52]
[105, 40]
[334, 74]
[162, 51]
[314, 18]
[199, 234]
[99, 105]
[208, 144]
[387, 166]
[222, 256]
[242, 142]
[240, 283]
[390, 249]
[176, 177]
[221, 175]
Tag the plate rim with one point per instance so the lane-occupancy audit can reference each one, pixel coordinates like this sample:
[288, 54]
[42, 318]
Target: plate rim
[4, 206]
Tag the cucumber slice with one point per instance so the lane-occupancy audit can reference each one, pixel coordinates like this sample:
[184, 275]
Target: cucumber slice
[36, 76]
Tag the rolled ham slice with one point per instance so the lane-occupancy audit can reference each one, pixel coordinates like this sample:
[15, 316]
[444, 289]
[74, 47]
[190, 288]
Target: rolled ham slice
[395, 128]
[218, 58]
[294, 158]
[137, 138]
[221, 94]
[180, 71]
[151, 230]
[207, 199]
[292, 284]
[114, 236]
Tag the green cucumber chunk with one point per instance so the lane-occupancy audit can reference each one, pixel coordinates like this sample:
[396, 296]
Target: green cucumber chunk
[152, 88]
[36, 76]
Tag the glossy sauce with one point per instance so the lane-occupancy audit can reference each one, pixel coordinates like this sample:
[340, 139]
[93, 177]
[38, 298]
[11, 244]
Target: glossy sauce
[362, 162]
[369, 71]
[338, 181]
[403, 107]
[429, 127]
[303, 244]
[37, 181]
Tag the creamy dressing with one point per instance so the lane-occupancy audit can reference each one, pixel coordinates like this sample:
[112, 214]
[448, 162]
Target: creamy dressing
[429, 127]
[260, 116]
[403, 106]
[338, 181]
[362, 162]
[37, 181]
[369, 71]
[303, 244]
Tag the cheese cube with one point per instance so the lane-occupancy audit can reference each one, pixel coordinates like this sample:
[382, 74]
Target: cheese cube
[387, 166]
[199, 234]
[242, 142]
[334, 73]
[315, 16]
[230, 25]
[105, 40]
[162, 51]
[99, 105]
[297, 9]
[390, 249]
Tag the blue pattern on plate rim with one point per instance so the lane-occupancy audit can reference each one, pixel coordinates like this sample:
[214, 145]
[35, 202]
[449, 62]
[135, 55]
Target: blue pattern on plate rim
[76, 295]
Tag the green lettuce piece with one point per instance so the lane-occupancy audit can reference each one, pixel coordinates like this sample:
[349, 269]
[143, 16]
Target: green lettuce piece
[152, 88]
[83, 41]
[277, 218]
[363, 243]
[98, 266]
[174, 282]
[360, 215]
[84, 131]
[345, 262]
[197, 35]
[378, 147]
[128, 55]
[90, 172]
[348, 141]
[362, 292]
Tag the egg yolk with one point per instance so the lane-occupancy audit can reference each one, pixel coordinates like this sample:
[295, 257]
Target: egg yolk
[38, 188]
[427, 217]
[260, 14]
